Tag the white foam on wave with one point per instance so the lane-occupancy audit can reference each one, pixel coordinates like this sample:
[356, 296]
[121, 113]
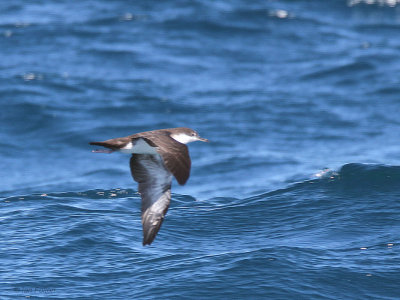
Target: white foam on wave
[391, 3]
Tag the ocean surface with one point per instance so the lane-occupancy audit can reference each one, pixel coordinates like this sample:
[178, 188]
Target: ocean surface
[297, 195]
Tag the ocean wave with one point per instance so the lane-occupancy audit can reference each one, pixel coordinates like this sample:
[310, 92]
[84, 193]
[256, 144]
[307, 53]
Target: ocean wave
[338, 220]
[350, 181]
[351, 175]
[344, 70]
[390, 3]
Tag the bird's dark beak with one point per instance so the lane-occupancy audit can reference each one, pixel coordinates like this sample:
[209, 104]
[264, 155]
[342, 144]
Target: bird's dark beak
[203, 139]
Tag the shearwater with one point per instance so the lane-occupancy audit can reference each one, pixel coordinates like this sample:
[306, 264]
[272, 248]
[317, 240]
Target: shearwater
[157, 156]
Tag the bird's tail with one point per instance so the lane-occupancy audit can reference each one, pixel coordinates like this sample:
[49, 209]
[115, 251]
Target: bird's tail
[104, 144]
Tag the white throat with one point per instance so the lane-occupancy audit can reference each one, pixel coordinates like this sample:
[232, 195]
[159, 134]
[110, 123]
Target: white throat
[183, 138]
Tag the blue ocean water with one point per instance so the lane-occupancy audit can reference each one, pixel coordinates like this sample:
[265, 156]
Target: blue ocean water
[295, 197]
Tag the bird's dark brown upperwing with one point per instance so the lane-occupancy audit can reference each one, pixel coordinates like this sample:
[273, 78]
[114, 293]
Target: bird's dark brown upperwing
[174, 154]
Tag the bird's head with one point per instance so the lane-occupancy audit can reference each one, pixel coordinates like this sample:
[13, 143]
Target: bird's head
[186, 135]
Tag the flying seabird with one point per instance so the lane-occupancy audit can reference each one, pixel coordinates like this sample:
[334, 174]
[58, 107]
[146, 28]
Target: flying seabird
[157, 156]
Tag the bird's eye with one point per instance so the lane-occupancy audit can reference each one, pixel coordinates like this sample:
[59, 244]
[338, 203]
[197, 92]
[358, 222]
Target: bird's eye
[193, 134]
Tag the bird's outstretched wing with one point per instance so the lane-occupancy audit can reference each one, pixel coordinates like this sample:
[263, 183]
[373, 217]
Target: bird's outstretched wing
[174, 154]
[155, 190]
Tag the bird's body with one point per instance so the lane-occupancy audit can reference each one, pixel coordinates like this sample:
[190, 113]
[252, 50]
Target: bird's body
[157, 156]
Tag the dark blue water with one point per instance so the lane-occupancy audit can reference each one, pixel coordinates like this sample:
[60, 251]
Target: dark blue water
[296, 197]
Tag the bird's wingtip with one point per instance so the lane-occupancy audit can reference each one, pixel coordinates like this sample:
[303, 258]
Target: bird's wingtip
[147, 242]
